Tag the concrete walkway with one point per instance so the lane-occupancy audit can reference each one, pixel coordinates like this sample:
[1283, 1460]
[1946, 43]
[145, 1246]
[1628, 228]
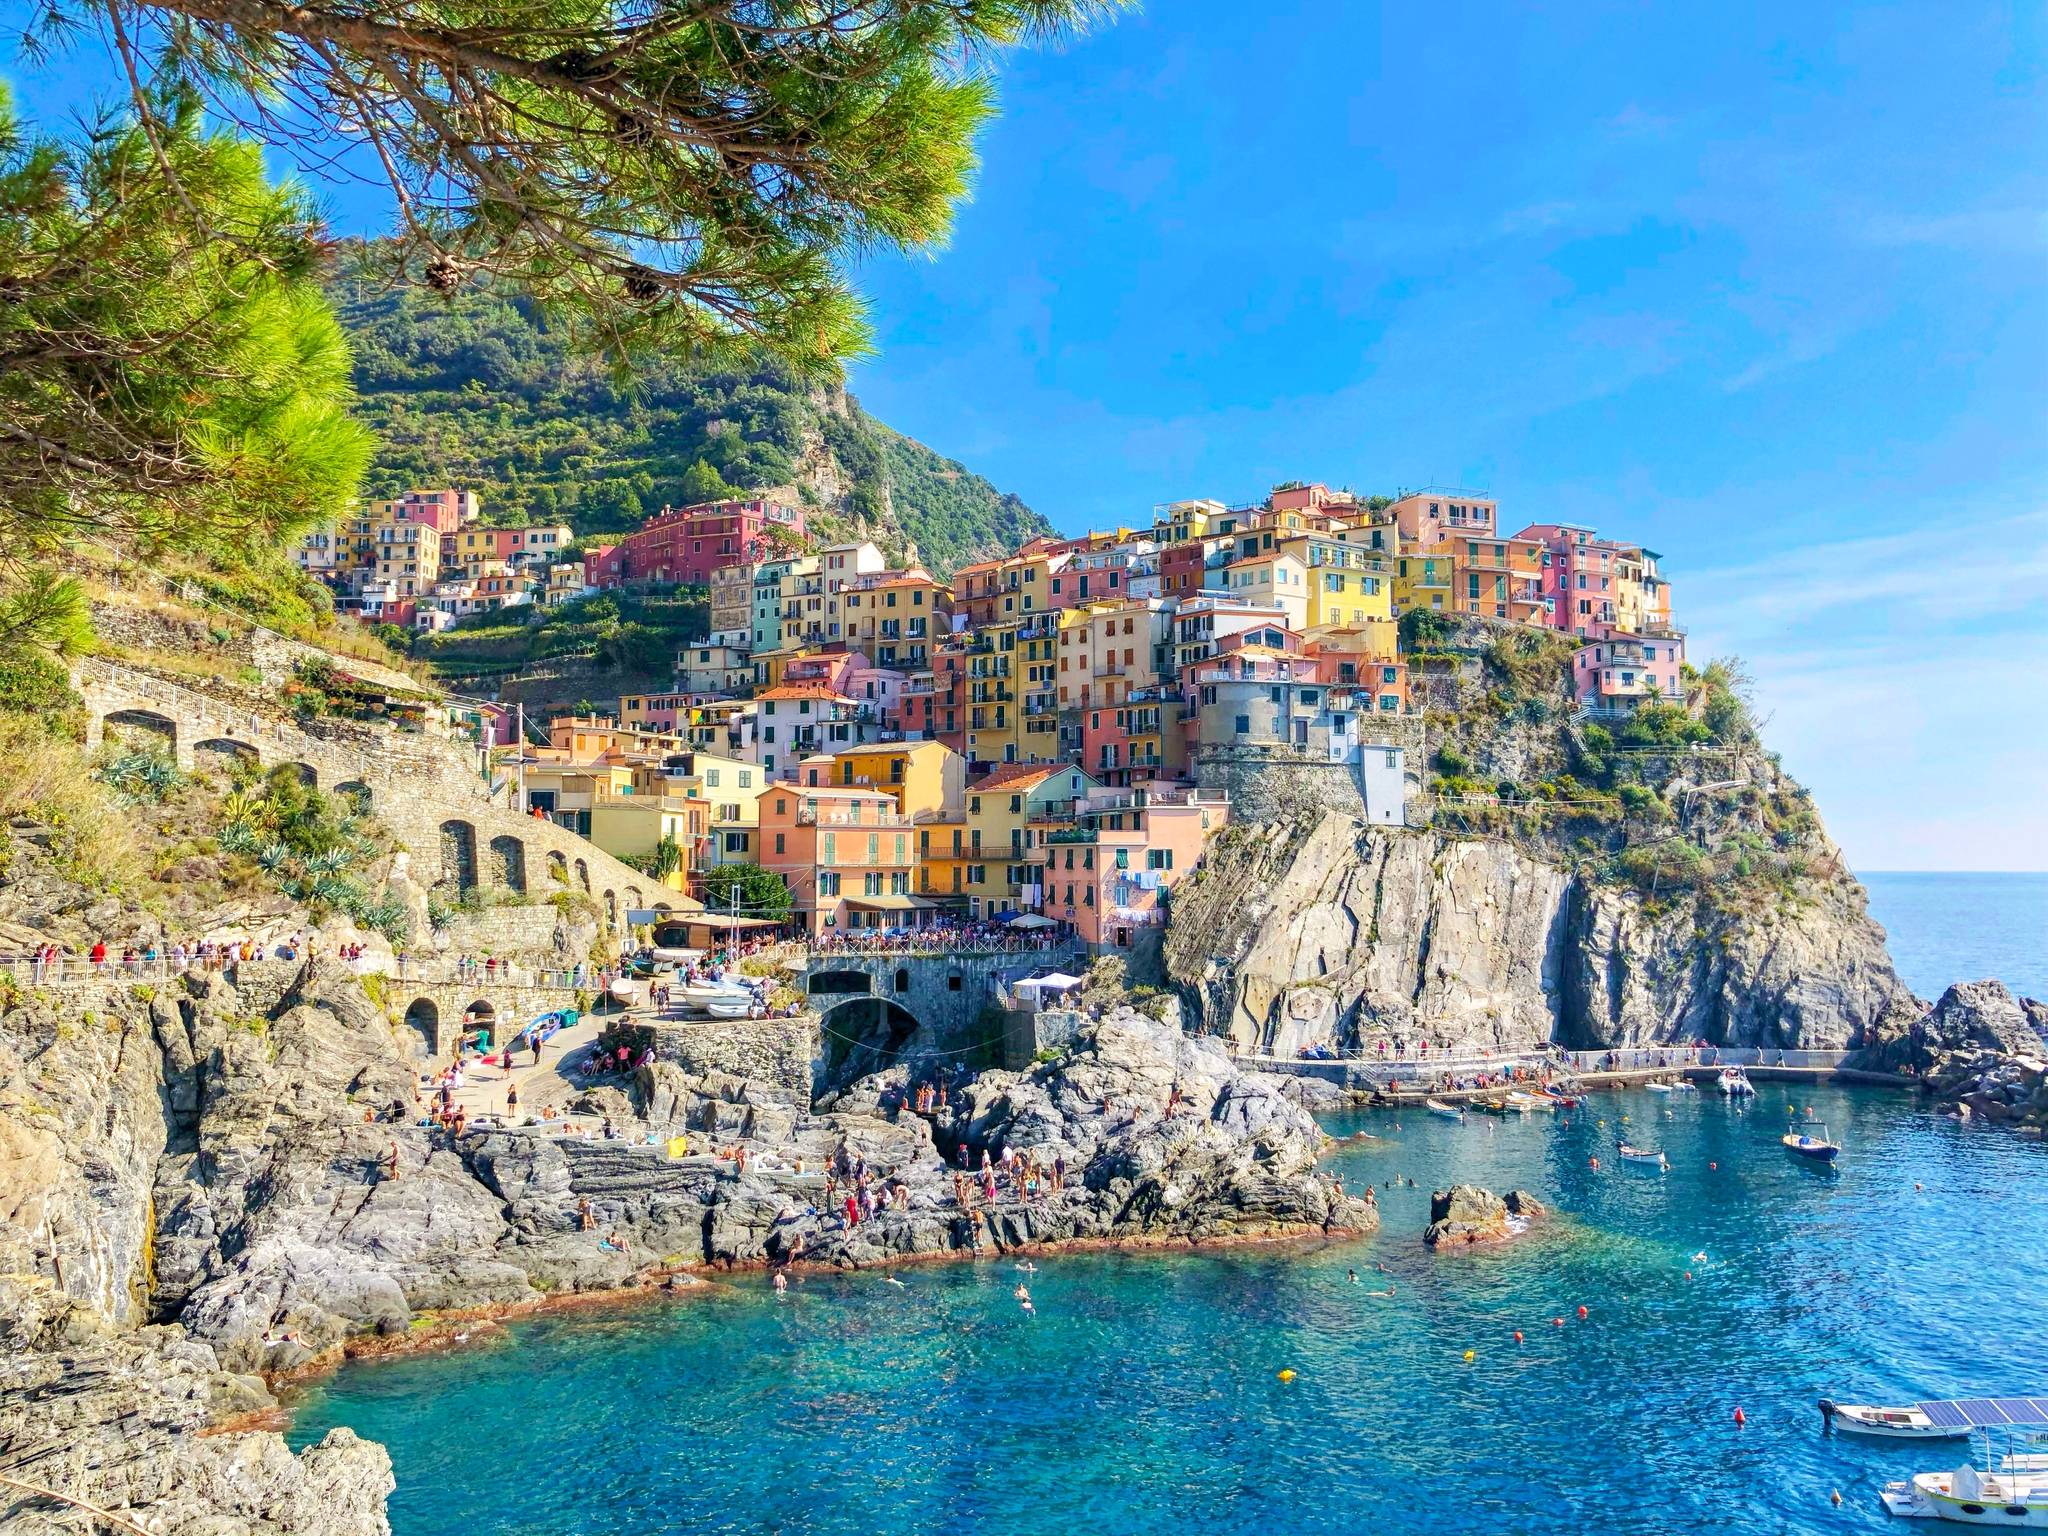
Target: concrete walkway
[553, 1083]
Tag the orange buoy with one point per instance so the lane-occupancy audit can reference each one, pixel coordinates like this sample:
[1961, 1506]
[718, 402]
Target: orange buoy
[1594, 1163]
[1739, 1419]
[1582, 1312]
[1518, 1335]
[1714, 1166]
[1557, 1322]
[1688, 1274]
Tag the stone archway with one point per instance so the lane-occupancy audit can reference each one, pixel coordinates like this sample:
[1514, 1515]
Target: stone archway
[425, 1020]
[356, 793]
[223, 752]
[481, 1014]
[308, 774]
[142, 727]
[508, 862]
[458, 854]
[583, 876]
[860, 1035]
[558, 867]
[611, 909]
[840, 984]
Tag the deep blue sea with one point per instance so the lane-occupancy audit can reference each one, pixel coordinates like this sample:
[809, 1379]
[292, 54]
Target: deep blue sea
[1143, 1399]
[1965, 927]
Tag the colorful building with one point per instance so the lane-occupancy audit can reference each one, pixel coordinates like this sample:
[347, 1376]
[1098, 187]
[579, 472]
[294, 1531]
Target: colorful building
[1108, 875]
[848, 856]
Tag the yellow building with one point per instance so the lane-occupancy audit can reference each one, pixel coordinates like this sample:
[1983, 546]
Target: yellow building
[1180, 521]
[1422, 581]
[1109, 651]
[1350, 586]
[1011, 810]
[633, 826]
[924, 778]
[992, 716]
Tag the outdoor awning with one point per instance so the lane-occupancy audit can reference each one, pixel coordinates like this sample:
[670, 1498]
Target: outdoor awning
[719, 920]
[1031, 920]
[640, 917]
[1058, 981]
[889, 903]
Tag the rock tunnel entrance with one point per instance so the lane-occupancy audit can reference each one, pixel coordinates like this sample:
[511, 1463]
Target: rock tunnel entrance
[863, 1035]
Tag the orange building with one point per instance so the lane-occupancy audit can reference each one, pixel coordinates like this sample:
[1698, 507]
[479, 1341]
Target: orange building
[848, 856]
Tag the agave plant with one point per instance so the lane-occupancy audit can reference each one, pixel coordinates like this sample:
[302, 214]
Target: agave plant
[237, 837]
[328, 861]
[273, 856]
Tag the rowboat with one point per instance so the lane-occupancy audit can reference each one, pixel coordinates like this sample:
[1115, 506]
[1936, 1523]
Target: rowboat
[1903, 1423]
[1647, 1157]
[1812, 1143]
[736, 1008]
[1492, 1106]
[1447, 1111]
[1527, 1102]
[1735, 1083]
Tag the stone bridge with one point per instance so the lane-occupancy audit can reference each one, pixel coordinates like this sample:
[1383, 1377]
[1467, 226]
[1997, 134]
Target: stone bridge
[874, 1009]
[429, 791]
[438, 1012]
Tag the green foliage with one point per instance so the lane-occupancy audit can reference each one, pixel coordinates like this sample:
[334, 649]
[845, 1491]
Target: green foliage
[486, 391]
[312, 846]
[140, 775]
[756, 892]
[170, 372]
[34, 683]
[1726, 713]
[683, 177]
[629, 632]
[1660, 725]
[1424, 629]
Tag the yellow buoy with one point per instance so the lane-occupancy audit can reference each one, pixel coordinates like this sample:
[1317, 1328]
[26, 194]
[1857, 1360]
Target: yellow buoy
[1468, 1354]
[1287, 1375]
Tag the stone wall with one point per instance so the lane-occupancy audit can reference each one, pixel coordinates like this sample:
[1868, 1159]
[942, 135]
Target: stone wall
[783, 1053]
[535, 931]
[1281, 783]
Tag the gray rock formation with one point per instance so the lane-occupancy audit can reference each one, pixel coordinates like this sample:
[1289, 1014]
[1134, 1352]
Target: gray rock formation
[1465, 1215]
[1336, 933]
[1979, 1049]
[195, 1198]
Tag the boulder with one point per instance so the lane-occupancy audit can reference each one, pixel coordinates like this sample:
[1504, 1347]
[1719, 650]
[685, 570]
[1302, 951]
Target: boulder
[1466, 1214]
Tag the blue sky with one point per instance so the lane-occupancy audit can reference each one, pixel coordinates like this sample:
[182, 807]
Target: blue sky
[1761, 286]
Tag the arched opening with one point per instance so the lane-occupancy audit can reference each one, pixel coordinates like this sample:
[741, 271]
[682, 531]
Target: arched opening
[611, 909]
[583, 876]
[425, 1021]
[558, 868]
[864, 1035]
[142, 728]
[308, 774]
[480, 1022]
[840, 984]
[508, 862]
[356, 793]
[224, 752]
[458, 854]
[635, 902]
[902, 978]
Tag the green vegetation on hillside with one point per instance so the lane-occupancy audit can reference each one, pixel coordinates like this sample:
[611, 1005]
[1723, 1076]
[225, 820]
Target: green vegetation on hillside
[482, 390]
[632, 634]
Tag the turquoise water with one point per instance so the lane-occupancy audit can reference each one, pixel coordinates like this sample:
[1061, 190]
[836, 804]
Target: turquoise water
[1950, 927]
[1143, 1397]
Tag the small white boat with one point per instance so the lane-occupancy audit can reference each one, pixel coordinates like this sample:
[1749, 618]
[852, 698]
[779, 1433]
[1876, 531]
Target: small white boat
[1527, 1102]
[671, 955]
[1685, 1085]
[1447, 1111]
[1645, 1157]
[702, 992]
[1735, 1083]
[737, 1008]
[1656, 1087]
[625, 990]
[1903, 1423]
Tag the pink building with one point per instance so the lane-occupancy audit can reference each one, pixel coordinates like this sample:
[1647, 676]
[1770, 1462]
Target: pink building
[1108, 876]
[1581, 577]
[1428, 519]
[686, 544]
[1624, 672]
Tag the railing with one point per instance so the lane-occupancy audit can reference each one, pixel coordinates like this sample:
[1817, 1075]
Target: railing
[874, 821]
[1071, 835]
[80, 970]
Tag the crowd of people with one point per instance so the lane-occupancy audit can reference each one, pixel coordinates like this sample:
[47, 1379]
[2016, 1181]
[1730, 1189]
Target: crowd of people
[54, 962]
[943, 933]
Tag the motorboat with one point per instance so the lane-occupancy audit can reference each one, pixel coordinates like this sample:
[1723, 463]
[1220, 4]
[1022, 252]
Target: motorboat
[1685, 1085]
[1907, 1422]
[1447, 1111]
[1493, 1106]
[1655, 1086]
[1526, 1102]
[1646, 1157]
[1735, 1083]
[2007, 1490]
[1562, 1099]
[1811, 1141]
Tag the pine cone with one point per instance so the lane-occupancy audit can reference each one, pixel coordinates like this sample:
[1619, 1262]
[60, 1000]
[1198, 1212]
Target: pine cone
[443, 275]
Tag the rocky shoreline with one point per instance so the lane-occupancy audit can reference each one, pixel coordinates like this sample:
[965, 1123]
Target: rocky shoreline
[1979, 1052]
[200, 1212]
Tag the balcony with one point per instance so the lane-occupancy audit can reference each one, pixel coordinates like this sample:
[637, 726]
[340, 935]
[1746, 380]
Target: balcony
[857, 819]
[1070, 835]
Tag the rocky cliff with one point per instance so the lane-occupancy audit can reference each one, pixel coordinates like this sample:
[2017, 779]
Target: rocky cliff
[1329, 931]
[1979, 1051]
[196, 1196]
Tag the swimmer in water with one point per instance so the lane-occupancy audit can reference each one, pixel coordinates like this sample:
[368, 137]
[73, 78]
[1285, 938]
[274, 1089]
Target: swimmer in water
[1027, 1268]
[781, 1282]
[1700, 1257]
[1022, 1295]
[1353, 1275]
[1388, 1292]
[892, 1280]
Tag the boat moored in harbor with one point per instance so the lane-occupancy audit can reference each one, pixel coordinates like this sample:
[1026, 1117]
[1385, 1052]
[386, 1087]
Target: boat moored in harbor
[1811, 1142]
[1445, 1111]
[1735, 1083]
[1905, 1422]
[2007, 1490]
[1643, 1157]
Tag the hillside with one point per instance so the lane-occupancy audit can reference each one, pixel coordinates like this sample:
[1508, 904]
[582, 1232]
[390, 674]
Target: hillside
[482, 391]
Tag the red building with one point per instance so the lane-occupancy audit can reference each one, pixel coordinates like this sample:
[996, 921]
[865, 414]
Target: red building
[686, 544]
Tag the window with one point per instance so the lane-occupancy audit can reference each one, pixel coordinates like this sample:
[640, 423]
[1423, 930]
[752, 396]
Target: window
[778, 843]
[1159, 858]
[828, 884]
[1244, 725]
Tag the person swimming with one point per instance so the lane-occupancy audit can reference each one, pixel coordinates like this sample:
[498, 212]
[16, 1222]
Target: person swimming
[1388, 1292]
[892, 1280]
[1352, 1275]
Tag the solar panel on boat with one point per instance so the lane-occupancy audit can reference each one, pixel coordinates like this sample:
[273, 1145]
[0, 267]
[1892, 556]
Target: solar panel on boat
[1989, 1413]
